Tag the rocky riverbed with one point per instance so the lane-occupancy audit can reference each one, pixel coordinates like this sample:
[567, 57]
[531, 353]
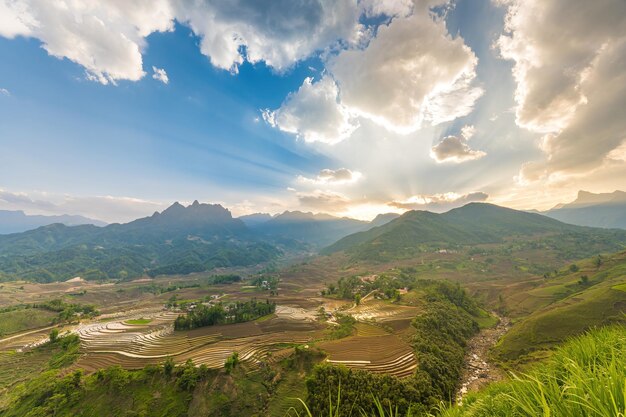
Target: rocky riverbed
[477, 370]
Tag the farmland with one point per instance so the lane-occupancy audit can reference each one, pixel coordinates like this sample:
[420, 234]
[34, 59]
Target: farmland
[134, 328]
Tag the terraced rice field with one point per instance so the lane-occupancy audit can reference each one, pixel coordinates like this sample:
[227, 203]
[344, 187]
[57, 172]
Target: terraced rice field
[134, 346]
[381, 353]
[381, 311]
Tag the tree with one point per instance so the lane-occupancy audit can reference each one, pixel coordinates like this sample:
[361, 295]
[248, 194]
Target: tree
[54, 335]
[168, 366]
[231, 362]
[598, 261]
[584, 280]
[574, 268]
[357, 299]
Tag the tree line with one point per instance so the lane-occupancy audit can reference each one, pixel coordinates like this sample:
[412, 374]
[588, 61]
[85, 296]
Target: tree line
[238, 312]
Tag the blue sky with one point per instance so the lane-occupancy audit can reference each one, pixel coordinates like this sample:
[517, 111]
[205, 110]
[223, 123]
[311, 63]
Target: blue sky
[85, 128]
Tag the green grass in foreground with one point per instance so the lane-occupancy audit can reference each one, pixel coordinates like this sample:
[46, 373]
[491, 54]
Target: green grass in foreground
[586, 377]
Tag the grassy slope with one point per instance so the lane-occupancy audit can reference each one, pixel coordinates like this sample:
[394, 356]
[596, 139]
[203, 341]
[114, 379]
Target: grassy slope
[569, 307]
[584, 378]
[25, 319]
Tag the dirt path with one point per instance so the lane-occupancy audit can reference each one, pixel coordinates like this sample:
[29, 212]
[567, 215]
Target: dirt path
[477, 370]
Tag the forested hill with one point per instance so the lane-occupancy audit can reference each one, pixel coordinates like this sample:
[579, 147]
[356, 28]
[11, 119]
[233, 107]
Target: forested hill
[474, 223]
[178, 240]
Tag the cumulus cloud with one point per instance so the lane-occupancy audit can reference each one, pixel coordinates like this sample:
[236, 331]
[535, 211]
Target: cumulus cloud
[412, 73]
[323, 200]
[313, 113]
[278, 33]
[159, 74]
[107, 37]
[391, 8]
[570, 70]
[15, 20]
[333, 176]
[409, 74]
[5, 92]
[439, 202]
[455, 148]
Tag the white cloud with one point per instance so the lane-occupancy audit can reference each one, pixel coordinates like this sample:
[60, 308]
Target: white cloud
[391, 8]
[411, 74]
[570, 69]
[15, 20]
[468, 131]
[278, 33]
[327, 201]
[159, 74]
[313, 113]
[619, 153]
[106, 38]
[439, 202]
[455, 148]
[332, 177]
[5, 92]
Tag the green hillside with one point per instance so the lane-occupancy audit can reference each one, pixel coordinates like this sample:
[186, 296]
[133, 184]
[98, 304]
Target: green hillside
[589, 293]
[179, 240]
[586, 377]
[472, 224]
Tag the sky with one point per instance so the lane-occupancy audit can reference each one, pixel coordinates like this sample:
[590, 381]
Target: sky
[116, 109]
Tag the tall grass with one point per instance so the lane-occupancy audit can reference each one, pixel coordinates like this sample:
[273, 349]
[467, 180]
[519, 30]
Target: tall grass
[586, 377]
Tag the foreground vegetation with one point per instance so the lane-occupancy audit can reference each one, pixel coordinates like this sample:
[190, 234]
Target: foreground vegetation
[584, 378]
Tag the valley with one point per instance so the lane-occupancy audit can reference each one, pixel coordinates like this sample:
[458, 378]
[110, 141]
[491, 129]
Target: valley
[509, 295]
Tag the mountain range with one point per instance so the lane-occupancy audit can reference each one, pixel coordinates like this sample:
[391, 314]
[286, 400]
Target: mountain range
[597, 210]
[201, 237]
[474, 223]
[16, 221]
[178, 240]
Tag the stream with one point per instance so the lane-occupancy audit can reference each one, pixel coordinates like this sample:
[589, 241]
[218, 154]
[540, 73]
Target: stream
[477, 369]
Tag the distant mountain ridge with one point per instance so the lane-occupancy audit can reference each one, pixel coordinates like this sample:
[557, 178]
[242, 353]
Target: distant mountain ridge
[474, 223]
[178, 240]
[255, 219]
[316, 229]
[16, 221]
[606, 210]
